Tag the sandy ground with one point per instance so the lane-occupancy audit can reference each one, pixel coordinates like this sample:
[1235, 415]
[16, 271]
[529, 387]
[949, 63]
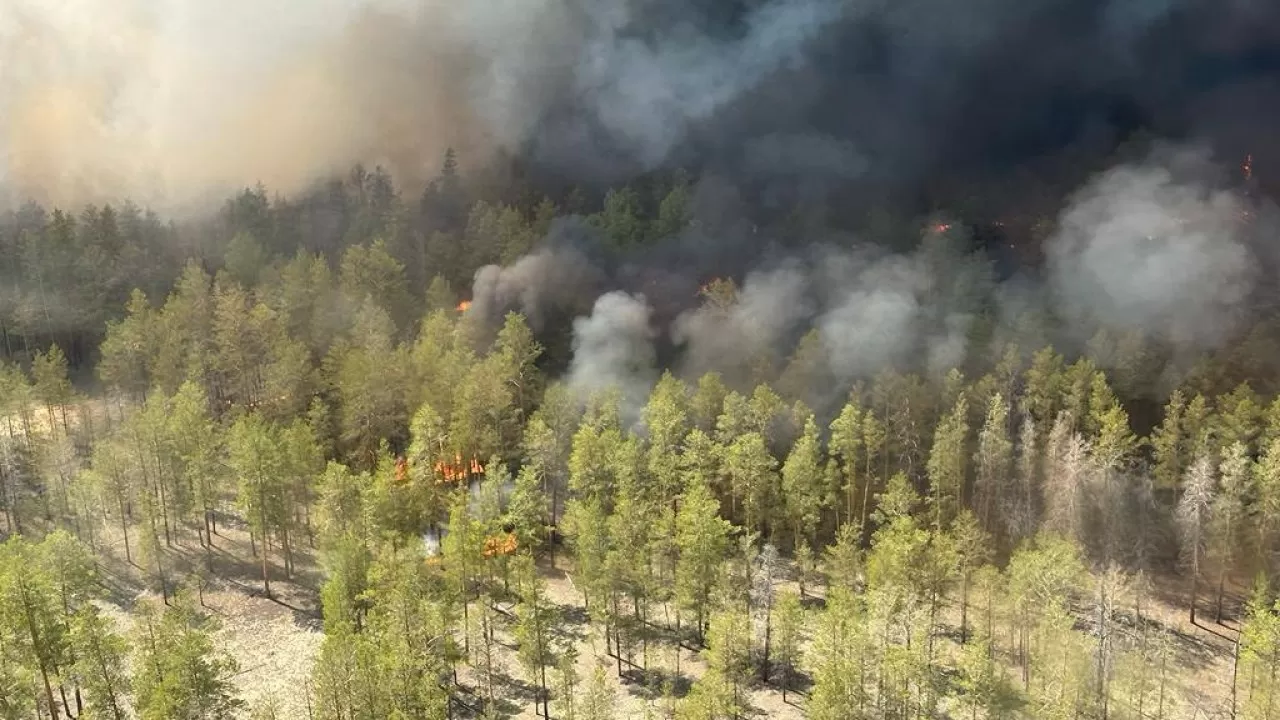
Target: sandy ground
[276, 640]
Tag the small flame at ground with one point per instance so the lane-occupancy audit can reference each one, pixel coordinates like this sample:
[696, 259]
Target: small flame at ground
[462, 306]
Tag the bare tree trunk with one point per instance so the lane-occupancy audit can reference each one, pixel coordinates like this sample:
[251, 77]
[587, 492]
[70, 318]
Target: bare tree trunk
[1195, 588]
[1222, 582]
[1235, 673]
[124, 530]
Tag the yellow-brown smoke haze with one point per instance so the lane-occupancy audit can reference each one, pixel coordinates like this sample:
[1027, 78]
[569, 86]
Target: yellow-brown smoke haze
[175, 103]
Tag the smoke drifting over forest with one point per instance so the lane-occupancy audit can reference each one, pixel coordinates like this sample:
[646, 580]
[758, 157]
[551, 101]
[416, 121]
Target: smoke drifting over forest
[1160, 247]
[176, 102]
[775, 104]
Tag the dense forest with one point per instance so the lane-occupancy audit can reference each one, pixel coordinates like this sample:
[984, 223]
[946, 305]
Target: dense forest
[503, 527]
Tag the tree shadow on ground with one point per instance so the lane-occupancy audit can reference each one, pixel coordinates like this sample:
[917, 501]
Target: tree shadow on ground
[652, 683]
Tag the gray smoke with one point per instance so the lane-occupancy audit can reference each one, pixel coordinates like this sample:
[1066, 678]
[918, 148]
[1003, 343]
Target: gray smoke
[1155, 249]
[872, 310]
[555, 277]
[613, 351]
[767, 311]
[647, 92]
[875, 323]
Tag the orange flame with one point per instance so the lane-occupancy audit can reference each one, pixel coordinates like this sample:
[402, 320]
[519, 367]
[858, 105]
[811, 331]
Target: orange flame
[462, 306]
[458, 469]
[941, 227]
[500, 545]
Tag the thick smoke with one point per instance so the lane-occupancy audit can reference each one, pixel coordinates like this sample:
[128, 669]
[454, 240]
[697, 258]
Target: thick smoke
[1158, 249]
[767, 312]
[613, 351]
[555, 278]
[1152, 248]
[175, 102]
[872, 311]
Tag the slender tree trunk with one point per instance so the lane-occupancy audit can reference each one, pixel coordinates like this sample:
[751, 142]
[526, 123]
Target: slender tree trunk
[266, 571]
[124, 530]
[1164, 660]
[34, 633]
[1235, 673]
[288, 552]
[48, 692]
[1222, 582]
[1195, 588]
[4, 498]
[164, 507]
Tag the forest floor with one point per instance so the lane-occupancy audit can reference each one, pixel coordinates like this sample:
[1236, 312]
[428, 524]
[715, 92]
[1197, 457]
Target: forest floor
[275, 640]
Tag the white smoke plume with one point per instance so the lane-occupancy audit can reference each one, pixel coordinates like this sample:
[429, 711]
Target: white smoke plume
[613, 351]
[872, 311]
[1152, 248]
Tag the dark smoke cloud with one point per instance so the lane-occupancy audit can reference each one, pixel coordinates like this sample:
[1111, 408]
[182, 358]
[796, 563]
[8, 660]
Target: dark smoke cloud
[174, 102]
[553, 279]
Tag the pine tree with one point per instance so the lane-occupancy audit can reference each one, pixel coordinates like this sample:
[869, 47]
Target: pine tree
[253, 450]
[702, 539]
[841, 660]
[842, 560]
[1266, 506]
[30, 611]
[599, 700]
[947, 465]
[178, 672]
[52, 387]
[986, 686]
[99, 666]
[751, 474]
[846, 447]
[788, 637]
[728, 658]
[1227, 512]
[1168, 444]
[1259, 658]
[802, 483]
[993, 460]
[535, 623]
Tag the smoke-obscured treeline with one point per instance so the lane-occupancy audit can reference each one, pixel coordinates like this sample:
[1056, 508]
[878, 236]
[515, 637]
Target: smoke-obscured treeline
[1163, 254]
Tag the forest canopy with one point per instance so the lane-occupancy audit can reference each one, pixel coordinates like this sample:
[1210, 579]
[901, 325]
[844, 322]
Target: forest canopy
[790, 358]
